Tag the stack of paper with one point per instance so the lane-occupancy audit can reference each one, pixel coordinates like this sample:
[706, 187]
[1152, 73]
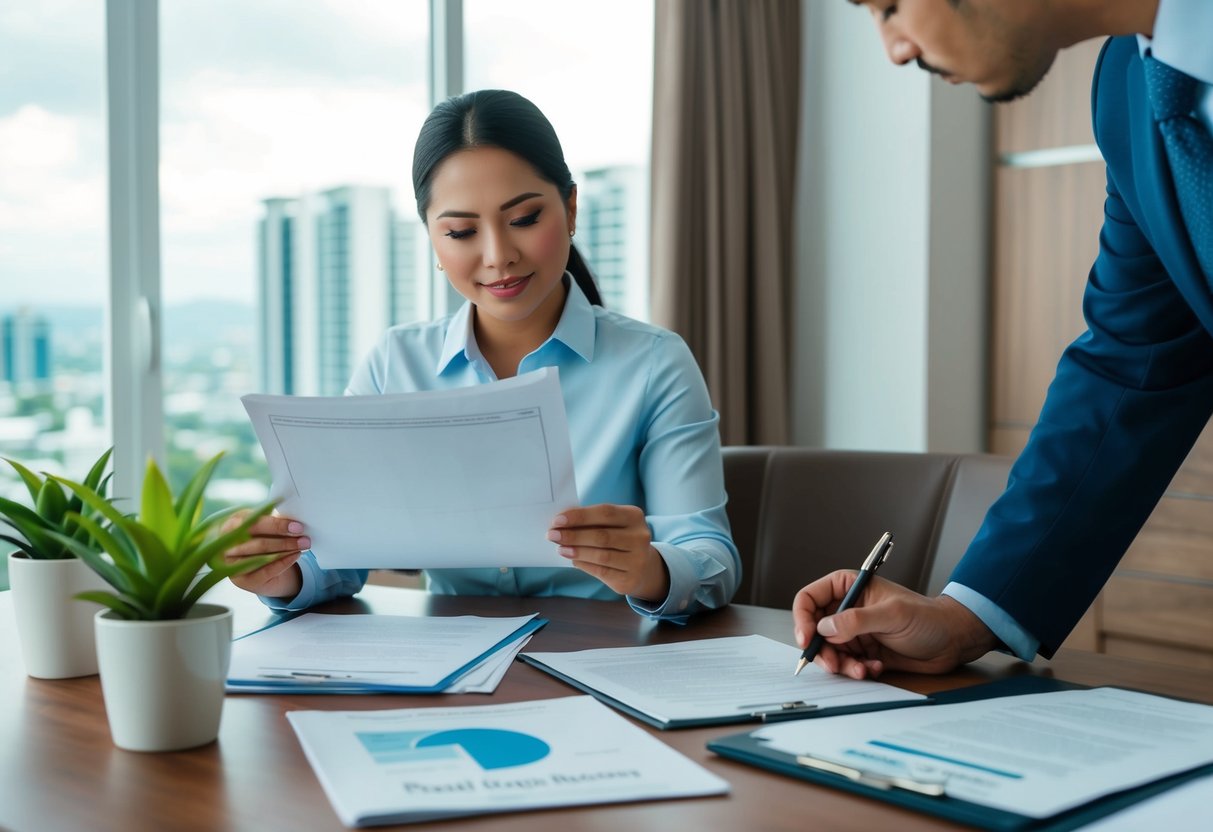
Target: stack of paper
[407, 766]
[318, 653]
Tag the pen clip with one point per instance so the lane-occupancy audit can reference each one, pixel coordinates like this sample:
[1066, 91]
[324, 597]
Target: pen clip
[783, 710]
[884, 782]
[878, 554]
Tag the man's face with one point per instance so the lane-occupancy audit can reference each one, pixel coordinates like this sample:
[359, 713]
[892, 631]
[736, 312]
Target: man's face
[999, 46]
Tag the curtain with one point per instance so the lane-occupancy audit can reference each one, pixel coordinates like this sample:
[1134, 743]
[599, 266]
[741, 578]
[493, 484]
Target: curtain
[726, 108]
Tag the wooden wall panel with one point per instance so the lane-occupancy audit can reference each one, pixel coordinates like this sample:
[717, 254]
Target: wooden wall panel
[1058, 112]
[1176, 541]
[1152, 651]
[1168, 612]
[1046, 236]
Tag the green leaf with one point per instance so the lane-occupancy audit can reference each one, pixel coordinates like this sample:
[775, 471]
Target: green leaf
[33, 482]
[119, 605]
[51, 503]
[190, 501]
[100, 505]
[33, 528]
[183, 575]
[23, 545]
[109, 573]
[218, 573]
[137, 582]
[157, 561]
[156, 511]
[94, 475]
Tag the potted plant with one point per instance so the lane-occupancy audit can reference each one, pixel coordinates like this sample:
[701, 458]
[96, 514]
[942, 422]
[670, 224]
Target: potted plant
[54, 630]
[163, 656]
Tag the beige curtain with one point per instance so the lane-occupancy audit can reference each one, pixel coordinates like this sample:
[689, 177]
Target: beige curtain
[726, 103]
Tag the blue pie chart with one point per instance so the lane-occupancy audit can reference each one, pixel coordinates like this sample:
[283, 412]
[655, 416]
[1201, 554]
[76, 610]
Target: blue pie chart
[490, 747]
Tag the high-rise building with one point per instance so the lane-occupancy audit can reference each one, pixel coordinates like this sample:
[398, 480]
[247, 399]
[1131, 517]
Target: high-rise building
[612, 235]
[336, 269]
[25, 347]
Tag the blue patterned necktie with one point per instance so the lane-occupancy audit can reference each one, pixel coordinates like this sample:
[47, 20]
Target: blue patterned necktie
[1189, 144]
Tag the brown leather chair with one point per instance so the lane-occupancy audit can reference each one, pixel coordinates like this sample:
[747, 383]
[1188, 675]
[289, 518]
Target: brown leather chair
[799, 513]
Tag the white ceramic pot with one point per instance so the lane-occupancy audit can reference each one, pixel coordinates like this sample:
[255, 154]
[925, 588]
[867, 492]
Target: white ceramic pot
[163, 680]
[55, 630]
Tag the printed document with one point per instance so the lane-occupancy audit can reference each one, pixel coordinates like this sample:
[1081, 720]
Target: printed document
[1036, 755]
[422, 764]
[712, 680]
[318, 653]
[450, 478]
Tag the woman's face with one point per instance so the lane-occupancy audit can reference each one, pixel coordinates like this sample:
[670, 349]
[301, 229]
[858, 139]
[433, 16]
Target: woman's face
[501, 233]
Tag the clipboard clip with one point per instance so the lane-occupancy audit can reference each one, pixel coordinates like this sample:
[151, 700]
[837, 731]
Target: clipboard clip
[782, 710]
[931, 788]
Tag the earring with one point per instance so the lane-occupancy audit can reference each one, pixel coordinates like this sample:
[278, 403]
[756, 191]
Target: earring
[440, 268]
[573, 233]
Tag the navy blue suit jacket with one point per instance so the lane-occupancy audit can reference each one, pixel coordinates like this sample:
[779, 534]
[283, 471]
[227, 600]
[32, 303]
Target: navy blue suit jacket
[1130, 396]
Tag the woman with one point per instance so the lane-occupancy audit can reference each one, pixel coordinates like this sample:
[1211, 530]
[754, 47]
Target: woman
[500, 207]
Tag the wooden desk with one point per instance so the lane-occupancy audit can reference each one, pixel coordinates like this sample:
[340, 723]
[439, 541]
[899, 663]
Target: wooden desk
[60, 771]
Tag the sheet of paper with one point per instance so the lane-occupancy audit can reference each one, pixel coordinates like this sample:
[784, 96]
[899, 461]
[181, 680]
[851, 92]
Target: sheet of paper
[1175, 809]
[1037, 754]
[452, 478]
[370, 651]
[406, 766]
[713, 678]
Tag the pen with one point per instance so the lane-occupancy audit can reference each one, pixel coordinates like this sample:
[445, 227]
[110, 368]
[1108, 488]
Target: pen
[875, 558]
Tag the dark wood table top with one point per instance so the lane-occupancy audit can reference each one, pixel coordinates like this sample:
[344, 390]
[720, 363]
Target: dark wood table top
[59, 769]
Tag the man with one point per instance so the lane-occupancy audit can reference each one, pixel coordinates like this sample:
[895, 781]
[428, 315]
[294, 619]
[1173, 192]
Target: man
[1131, 395]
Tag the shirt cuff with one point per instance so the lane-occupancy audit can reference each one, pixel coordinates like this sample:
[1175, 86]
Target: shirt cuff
[677, 604]
[1018, 641]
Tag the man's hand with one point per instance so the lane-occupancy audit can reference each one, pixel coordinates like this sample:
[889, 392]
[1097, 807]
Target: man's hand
[891, 628]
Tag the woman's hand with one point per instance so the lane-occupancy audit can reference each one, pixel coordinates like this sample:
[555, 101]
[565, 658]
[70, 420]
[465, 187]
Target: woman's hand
[613, 543]
[271, 534]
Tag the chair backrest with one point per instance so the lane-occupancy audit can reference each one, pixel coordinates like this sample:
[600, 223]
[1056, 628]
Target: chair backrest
[799, 513]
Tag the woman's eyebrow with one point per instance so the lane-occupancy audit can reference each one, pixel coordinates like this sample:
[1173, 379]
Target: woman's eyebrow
[505, 206]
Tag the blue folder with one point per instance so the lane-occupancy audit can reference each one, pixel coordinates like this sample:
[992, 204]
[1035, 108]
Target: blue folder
[746, 748]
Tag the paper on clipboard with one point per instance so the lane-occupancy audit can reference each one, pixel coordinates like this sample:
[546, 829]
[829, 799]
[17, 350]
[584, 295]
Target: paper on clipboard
[452, 478]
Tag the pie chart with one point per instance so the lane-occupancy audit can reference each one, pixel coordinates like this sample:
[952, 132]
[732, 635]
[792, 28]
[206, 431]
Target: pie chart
[490, 747]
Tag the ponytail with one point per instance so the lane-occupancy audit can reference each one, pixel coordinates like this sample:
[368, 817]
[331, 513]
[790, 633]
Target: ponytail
[580, 271]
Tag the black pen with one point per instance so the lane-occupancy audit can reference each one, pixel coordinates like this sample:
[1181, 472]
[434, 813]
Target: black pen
[875, 558]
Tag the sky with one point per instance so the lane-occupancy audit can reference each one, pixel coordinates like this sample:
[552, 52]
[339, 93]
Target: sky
[263, 98]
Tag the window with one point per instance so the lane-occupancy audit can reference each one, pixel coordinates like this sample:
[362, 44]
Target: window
[290, 237]
[53, 255]
[589, 67]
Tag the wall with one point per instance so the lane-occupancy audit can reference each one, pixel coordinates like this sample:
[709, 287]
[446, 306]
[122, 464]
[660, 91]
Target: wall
[890, 297]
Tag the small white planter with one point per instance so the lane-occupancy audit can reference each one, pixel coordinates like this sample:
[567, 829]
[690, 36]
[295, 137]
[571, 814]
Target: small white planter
[163, 680]
[55, 630]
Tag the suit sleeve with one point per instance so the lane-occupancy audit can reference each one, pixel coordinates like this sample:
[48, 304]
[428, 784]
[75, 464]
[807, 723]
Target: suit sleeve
[1129, 399]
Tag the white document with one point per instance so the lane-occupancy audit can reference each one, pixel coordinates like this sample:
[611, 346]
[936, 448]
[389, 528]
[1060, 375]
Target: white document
[1175, 810]
[406, 766]
[370, 653]
[486, 676]
[451, 478]
[712, 680]
[1036, 755]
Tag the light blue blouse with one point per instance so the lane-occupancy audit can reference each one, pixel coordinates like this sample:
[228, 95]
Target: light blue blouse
[643, 433]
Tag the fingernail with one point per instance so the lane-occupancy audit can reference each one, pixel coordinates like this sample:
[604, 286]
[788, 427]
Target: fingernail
[294, 527]
[304, 543]
[799, 637]
[826, 627]
[560, 520]
[554, 535]
[566, 552]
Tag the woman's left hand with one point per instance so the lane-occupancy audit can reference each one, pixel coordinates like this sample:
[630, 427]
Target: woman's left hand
[613, 543]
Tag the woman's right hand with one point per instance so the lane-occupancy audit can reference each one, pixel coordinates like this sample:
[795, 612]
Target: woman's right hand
[271, 534]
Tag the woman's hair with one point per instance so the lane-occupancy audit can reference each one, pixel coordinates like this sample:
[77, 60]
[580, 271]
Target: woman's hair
[504, 119]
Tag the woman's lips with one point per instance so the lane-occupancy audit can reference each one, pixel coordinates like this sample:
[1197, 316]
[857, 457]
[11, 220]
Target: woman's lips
[509, 287]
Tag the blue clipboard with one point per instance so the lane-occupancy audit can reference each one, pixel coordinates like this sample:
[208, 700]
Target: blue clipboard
[746, 749]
